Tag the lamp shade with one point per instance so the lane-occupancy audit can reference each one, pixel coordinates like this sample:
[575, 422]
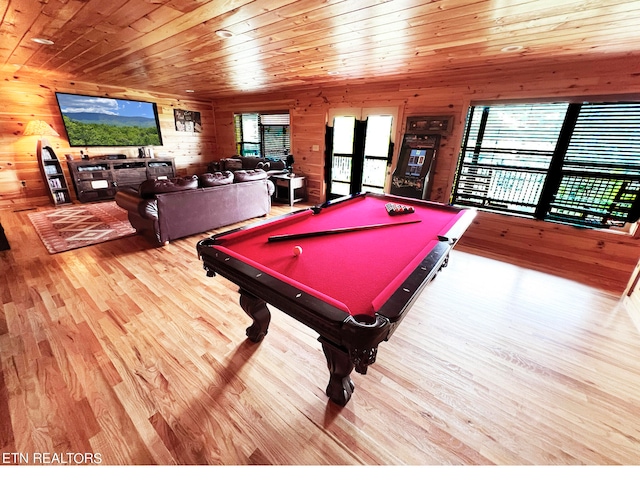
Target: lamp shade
[40, 128]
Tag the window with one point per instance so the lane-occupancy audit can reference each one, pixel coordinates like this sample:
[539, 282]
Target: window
[571, 163]
[263, 135]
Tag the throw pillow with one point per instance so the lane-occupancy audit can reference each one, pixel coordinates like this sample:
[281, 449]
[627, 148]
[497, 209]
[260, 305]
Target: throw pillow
[232, 164]
[149, 188]
[277, 165]
[266, 166]
[249, 175]
[214, 179]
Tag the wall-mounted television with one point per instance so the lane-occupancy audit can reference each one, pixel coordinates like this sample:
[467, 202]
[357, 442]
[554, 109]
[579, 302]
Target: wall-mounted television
[92, 121]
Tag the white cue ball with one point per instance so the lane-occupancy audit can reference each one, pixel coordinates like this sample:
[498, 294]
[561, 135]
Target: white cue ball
[297, 251]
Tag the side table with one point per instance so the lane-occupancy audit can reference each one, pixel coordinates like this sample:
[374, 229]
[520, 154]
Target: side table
[289, 189]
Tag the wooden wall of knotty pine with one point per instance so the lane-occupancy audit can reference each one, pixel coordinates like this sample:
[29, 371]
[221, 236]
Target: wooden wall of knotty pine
[603, 259]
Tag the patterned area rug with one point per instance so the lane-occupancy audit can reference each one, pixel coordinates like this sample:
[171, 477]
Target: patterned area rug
[77, 226]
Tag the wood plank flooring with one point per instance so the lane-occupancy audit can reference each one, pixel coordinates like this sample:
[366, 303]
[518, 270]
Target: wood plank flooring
[131, 354]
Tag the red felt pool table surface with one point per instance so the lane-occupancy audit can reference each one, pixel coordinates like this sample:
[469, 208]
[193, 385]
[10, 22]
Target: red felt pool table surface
[354, 271]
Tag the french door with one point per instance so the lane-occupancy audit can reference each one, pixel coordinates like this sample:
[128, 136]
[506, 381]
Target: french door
[359, 152]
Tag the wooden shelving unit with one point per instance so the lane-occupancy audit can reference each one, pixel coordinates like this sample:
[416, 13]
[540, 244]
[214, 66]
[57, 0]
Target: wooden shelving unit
[52, 174]
[100, 178]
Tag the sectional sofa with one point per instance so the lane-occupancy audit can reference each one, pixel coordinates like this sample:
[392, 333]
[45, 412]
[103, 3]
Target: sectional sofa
[165, 210]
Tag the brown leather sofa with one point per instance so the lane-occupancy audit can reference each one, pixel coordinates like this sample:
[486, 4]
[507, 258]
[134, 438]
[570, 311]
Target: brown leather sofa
[238, 162]
[165, 210]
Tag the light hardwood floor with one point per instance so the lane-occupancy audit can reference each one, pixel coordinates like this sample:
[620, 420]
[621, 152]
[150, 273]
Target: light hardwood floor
[132, 353]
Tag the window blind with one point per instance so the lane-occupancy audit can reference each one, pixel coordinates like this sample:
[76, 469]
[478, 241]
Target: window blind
[275, 142]
[275, 136]
[600, 182]
[505, 156]
[577, 164]
[263, 135]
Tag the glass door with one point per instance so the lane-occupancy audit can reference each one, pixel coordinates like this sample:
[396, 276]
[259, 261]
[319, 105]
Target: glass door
[358, 153]
[378, 152]
[342, 156]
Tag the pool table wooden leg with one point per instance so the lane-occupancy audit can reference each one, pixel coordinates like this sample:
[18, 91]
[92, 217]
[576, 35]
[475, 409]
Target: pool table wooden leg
[340, 386]
[258, 311]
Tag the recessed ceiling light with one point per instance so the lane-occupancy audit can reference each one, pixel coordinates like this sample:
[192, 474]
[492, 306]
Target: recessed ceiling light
[189, 91]
[224, 33]
[512, 48]
[333, 73]
[42, 41]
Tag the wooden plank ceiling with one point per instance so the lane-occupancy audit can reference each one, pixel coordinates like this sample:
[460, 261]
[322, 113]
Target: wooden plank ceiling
[171, 46]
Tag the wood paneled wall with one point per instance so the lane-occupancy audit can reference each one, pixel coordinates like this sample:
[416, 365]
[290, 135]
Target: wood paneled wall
[602, 259]
[632, 297]
[25, 99]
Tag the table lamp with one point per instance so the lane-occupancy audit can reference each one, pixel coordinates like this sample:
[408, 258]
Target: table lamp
[41, 129]
[290, 161]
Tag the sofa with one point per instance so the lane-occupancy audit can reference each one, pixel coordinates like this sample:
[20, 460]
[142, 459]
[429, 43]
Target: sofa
[168, 209]
[238, 162]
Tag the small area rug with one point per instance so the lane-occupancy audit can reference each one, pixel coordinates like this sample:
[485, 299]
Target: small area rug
[66, 228]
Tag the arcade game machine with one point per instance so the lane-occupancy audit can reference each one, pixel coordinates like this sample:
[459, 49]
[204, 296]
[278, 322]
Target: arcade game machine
[417, 158]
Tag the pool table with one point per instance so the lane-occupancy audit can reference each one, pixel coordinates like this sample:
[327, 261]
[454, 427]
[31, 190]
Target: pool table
[356, 272]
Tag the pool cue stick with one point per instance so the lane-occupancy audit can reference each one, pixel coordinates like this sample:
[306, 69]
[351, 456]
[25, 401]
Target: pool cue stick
[293, 236]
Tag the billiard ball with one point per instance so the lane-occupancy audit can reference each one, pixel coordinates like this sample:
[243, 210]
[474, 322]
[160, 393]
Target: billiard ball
[297, 250]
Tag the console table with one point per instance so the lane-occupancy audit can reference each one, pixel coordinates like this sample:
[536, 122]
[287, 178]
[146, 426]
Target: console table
[100, 178]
